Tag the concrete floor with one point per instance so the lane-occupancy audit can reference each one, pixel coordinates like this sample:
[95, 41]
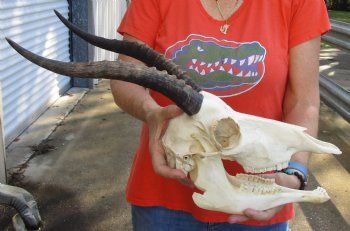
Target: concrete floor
[79, 177]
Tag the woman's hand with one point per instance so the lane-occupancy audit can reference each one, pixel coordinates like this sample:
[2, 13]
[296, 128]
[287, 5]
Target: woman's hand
[282, 179]
[157, 120]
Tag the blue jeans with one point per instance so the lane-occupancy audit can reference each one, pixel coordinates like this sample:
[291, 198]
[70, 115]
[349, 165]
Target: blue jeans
[162, 219]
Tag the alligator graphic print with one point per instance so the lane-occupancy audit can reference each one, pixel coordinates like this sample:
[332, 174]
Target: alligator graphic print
[225, 68]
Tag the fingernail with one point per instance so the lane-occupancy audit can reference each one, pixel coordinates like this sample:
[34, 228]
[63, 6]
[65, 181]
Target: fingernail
[180, 177]
[232, 220]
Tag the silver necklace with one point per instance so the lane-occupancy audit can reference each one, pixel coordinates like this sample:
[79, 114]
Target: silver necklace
[224, 28]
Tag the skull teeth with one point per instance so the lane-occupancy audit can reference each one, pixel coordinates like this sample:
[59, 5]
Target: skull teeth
[257, 185]
[322, 191]
[277, 167]
[259, 189]
[255, 179]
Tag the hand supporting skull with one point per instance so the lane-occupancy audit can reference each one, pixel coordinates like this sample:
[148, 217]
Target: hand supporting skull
[196, 144]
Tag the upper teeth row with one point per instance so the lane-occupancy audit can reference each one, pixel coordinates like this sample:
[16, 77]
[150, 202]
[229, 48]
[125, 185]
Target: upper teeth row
[250, 60]
[277, 167]
[230, 71]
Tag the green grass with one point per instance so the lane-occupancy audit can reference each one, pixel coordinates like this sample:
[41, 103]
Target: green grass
[325, 45]
[343, 16]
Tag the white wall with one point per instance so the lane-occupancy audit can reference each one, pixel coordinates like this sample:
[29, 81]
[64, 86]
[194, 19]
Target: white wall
[105, 18]
[27, 89]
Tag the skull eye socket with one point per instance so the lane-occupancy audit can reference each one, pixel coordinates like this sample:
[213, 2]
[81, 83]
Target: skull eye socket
[227, 133]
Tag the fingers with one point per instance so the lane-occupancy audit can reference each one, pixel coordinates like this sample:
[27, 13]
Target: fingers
[155, 144]
[283, 179]
[168, 113]
[157, 123]
[237, 219]
[161, 167]
[187, 182]
[290, 181]
[261, 215]
[171, 111]
[159, 118]
[251, 214]
[157, 126]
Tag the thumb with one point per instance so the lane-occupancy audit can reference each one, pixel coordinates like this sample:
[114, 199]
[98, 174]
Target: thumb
[172, 111]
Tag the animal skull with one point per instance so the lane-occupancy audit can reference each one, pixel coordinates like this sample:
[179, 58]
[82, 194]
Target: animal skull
[258, 144]
[210, 130]
[196, 144]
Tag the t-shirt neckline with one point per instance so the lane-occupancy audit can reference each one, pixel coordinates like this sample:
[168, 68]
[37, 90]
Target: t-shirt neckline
[232, 17]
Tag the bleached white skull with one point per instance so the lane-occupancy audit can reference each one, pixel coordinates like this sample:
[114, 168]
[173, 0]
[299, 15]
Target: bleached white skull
[258, 144]
[197, 143]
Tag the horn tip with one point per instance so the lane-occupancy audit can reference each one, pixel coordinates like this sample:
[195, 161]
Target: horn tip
[10, 41]
[58, 14]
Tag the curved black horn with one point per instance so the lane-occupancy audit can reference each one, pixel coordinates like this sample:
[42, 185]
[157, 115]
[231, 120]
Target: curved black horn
[183, 95]
[136, 50]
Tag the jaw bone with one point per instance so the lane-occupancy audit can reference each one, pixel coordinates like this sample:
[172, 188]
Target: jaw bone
[234, 194]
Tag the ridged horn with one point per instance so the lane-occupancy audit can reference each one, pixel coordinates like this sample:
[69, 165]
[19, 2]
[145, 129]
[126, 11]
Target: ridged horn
[177, 90]
[136, 50]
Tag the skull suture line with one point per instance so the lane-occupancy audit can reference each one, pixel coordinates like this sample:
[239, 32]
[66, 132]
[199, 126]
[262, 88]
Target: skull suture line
[210, 131]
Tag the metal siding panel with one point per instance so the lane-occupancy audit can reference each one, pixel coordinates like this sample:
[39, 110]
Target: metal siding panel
[27, 89]
[105, 18]
[18, 65]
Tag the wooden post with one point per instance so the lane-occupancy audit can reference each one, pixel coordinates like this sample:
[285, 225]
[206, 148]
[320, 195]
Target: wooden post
[2, 145]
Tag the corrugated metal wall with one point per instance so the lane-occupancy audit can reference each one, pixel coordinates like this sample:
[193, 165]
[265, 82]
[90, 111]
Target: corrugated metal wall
[104, 19]
[27, 89]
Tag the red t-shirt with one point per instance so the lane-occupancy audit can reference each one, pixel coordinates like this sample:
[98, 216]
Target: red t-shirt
[247, 67]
